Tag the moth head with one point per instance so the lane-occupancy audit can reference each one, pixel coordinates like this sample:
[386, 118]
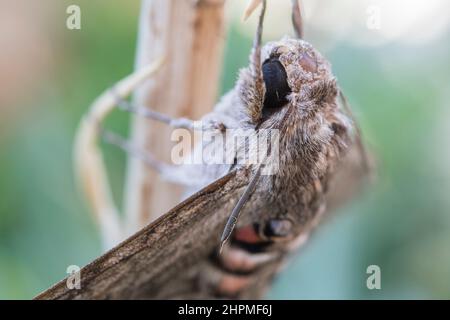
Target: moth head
[293, 73]
[297, 94]
[303, 64]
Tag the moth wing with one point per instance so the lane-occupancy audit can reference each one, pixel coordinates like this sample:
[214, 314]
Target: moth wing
[354, 169]
[160, 260]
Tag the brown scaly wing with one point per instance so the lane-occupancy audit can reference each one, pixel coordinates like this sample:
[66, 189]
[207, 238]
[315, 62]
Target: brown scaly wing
[145, 265]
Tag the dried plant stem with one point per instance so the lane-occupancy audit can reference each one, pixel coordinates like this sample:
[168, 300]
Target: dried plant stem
[89, 164]
[191, 35]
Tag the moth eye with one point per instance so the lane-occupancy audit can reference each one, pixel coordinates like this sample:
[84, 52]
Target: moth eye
[277, 87]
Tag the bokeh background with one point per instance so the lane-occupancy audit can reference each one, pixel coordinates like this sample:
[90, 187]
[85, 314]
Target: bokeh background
[395, 76]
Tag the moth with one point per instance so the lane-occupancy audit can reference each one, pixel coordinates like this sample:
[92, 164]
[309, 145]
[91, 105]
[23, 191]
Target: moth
[229, 239]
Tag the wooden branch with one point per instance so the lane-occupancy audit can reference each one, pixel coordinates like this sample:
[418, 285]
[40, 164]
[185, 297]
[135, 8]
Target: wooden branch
[190, 35]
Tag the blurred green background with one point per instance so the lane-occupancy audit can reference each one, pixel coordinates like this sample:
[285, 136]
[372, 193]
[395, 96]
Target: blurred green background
[396, 77]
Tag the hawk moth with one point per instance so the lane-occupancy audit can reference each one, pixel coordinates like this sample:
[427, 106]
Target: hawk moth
[289, 87]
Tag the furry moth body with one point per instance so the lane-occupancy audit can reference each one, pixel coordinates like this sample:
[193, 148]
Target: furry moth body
[315, 132]
[289, 86]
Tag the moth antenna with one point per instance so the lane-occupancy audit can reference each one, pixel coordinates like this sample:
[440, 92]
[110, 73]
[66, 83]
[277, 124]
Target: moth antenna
[297, 20]
[234, 216]
[256, 68]
[256, 52]
[252, 5]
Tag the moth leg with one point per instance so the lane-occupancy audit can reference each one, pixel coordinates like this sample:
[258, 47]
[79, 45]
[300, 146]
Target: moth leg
[125, 105]
[169, 172]
[216, 121]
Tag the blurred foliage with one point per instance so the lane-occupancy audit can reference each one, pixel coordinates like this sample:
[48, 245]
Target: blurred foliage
[402, 223]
